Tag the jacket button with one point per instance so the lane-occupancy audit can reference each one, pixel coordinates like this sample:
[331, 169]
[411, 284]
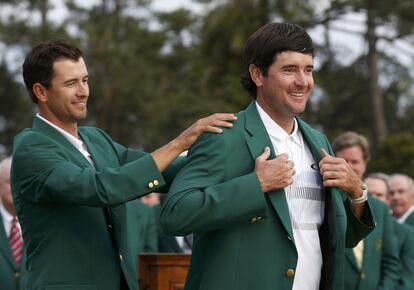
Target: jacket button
[150, 185]
[17, 274]
[121, 258]
[156, 182]
[362, 275]
[290, 273]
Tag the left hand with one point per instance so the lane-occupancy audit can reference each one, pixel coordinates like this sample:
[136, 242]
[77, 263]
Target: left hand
[208, 124]
[336, 172]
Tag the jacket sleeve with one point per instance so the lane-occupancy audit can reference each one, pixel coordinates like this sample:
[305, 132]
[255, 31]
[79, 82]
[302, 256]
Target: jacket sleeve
[207, 194]
[44, 172]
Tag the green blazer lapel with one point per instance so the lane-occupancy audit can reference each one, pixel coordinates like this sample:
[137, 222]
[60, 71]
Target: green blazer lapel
[258, 140]
[314, 141]
[48, 130]
[5, 245]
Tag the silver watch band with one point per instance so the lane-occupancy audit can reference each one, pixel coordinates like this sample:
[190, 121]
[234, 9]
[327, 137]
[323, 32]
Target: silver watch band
[363, 198]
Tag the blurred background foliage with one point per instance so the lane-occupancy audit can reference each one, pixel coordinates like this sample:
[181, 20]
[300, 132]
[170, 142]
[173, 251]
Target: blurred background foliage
[152, 73]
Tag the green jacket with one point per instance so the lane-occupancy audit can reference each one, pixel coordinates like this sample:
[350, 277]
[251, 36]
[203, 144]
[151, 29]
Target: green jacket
[381, 265]
[243, 239]
[72, 213]
[11, 277]
[141, 229]
[410, 220]
[405, 239]
[166, 243]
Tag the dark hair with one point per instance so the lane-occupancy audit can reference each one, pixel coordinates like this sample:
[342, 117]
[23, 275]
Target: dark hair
[38, 65]
[266, 43]
[349, 139]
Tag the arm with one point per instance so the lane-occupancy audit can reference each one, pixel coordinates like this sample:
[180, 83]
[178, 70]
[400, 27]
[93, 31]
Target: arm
[43, 172]
[204, 196]
[166, 154]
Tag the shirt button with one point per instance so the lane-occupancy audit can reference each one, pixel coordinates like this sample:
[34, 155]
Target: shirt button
[110, 226]
[290, 273]
[17, 275]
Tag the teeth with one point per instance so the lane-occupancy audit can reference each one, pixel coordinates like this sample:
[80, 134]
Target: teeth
[297, 94]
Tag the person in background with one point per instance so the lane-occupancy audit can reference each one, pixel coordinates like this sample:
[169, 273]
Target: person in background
[141, 230]
[378, 187]
[12, 254]
[402, 198]
[374, 263]
[70, 183]
[269, 206]
[167, 243]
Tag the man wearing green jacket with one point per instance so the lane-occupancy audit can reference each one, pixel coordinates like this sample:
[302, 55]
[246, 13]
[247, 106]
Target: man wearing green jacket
[374, 264]
[70, 183]
[378, 187]
[12, 254]
[269, 207]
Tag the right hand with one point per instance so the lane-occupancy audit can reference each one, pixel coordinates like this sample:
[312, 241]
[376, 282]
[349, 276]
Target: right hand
[276, 173]
[207, 124]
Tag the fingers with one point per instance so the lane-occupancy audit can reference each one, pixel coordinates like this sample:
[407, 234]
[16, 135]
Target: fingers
[264, 156]
[212, 122]
[324, 153]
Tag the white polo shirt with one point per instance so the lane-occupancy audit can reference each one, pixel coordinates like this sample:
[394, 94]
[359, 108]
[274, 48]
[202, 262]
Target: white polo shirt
[305, 199]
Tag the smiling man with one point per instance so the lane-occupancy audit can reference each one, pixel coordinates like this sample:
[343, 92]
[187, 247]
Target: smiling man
[70, 183]
[269, 207]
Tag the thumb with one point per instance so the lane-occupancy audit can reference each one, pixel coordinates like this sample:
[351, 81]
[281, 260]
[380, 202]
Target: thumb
[265, 155]
[324, 153]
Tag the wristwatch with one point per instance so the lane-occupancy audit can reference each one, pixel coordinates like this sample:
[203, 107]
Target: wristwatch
[363, 198]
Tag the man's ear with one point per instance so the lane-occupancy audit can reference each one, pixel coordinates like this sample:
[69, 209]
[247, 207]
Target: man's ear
[256, 75]
[40, 92]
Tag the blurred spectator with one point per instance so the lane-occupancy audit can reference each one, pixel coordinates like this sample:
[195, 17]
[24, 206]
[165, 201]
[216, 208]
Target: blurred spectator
[167, 243]
[378, 187]
[12, 255]
[141, 230]
[374, 263]
[151, 199]
[402, 198]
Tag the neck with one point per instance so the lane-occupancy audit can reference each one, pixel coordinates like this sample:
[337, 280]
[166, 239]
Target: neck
[69, 127]
[285, 121]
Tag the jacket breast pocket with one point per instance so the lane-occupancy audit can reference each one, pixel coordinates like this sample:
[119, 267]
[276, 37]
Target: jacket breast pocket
[70, 287]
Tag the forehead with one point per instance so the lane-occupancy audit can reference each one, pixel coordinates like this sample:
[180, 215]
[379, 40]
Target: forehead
[377, 185]
[293, 58]
[398, 182]
[67, 68]
[353, 151]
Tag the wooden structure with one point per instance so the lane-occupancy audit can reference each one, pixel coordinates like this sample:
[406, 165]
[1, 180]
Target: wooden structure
[163, 271]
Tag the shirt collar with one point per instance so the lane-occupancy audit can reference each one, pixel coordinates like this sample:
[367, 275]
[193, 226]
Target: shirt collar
[274, 130]
[406, 214]
[72, 139]
[5, 214]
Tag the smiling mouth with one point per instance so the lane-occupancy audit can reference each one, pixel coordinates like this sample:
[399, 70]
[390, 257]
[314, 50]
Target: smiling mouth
[297, 94]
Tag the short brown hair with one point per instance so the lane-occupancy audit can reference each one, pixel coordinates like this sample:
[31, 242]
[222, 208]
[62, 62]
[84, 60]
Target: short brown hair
[349, 139]
[38, 64]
